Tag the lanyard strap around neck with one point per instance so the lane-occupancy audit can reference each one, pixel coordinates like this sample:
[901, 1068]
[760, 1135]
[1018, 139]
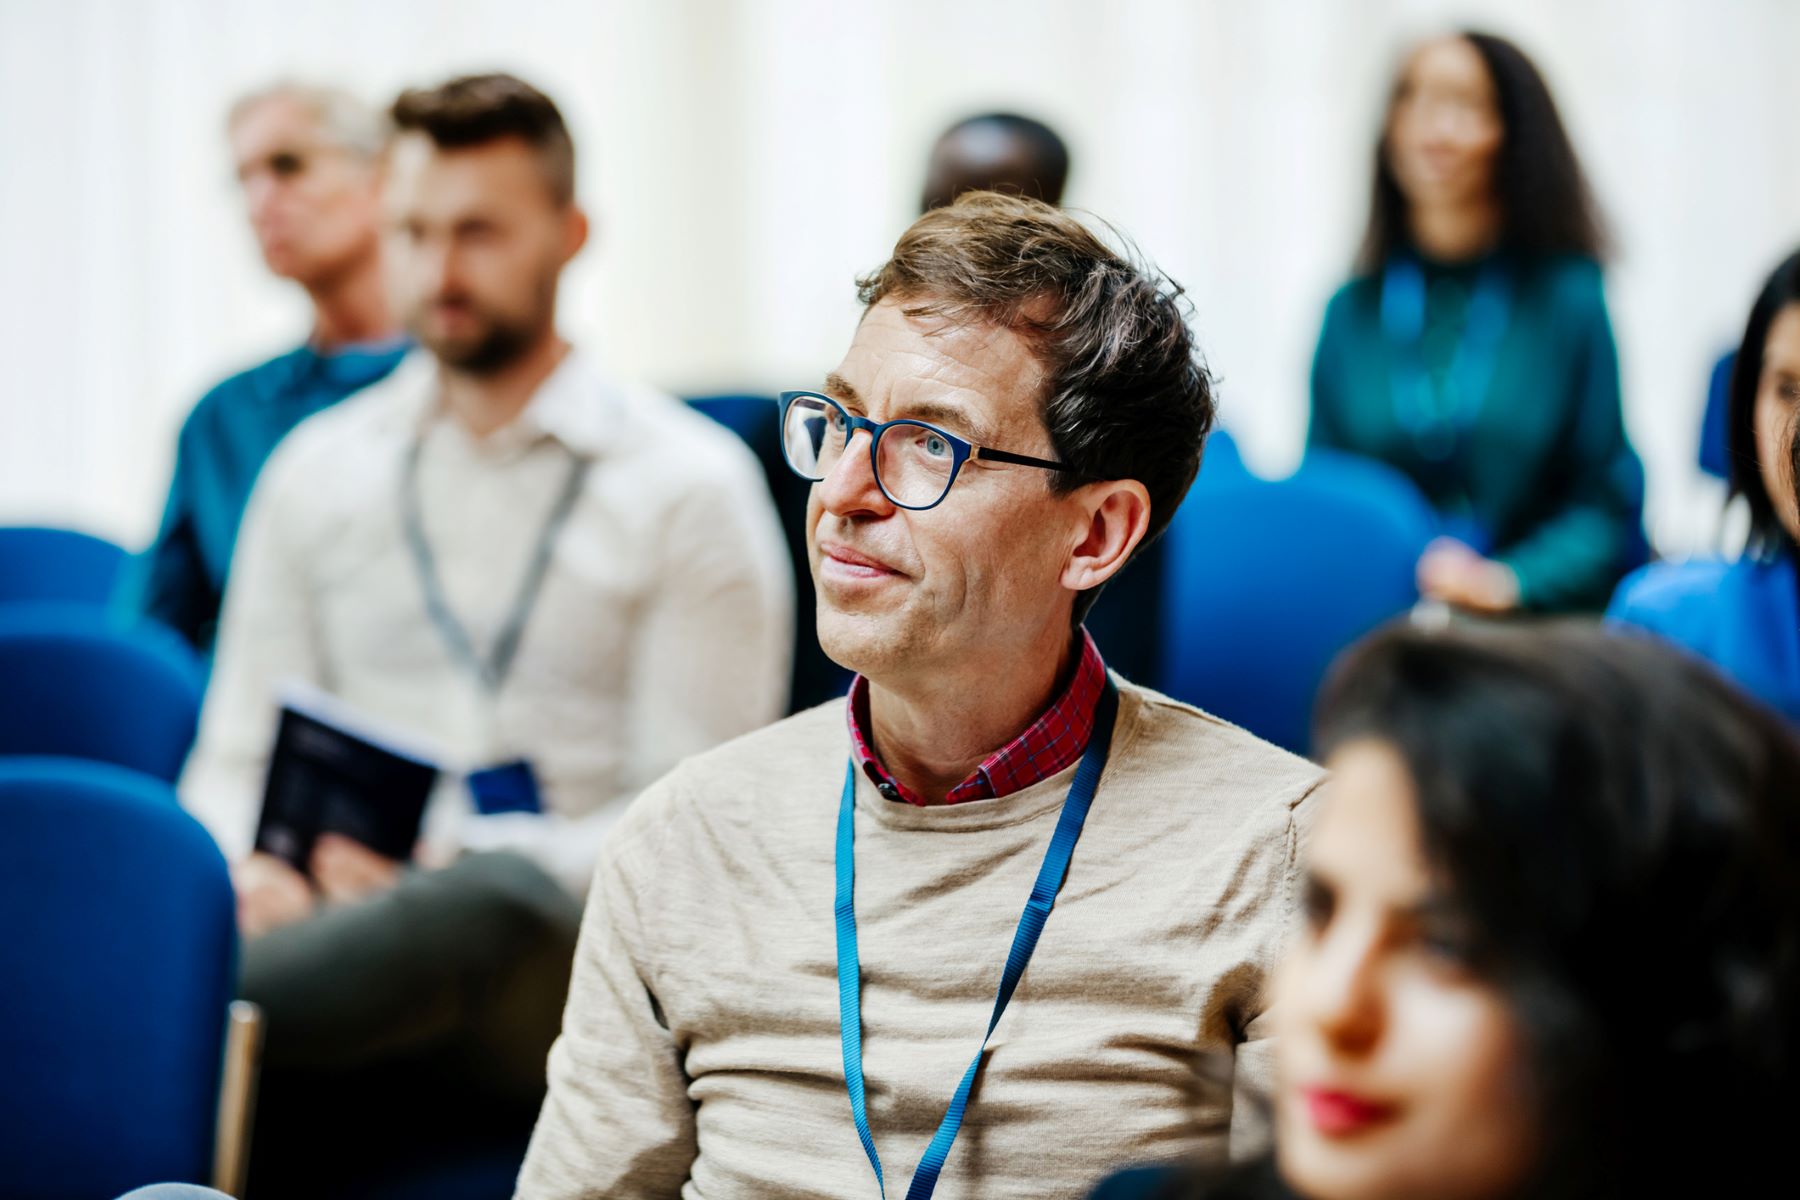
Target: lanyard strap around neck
[1031, 924]
[1435, 421]
[491, 671]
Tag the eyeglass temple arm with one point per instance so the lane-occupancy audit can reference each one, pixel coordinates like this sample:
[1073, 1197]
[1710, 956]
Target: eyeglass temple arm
[1023, 460]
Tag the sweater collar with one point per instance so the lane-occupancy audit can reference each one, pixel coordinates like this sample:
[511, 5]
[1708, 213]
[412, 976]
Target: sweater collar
[1051, 743]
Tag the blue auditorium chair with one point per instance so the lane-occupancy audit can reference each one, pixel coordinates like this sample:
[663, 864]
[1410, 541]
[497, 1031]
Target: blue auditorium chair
[756, 419]
[74, 687]
[1127, 620]
[57, 566]
[1715, 422]
[1268, 579]
[750, 416]
[118, 967]
[1222, 459]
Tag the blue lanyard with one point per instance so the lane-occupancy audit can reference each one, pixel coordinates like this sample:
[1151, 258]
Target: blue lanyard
[1437, 424]
[1031, 924]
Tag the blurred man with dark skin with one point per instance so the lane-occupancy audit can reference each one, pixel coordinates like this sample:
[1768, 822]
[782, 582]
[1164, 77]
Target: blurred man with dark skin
[996, 152]
[307, 163]
[506, 554]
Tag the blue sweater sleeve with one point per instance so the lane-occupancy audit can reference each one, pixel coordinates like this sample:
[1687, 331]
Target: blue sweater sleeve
[1681, 602]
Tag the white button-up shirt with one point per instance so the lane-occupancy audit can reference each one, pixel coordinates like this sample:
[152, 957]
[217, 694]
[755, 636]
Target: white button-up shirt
[664, 624]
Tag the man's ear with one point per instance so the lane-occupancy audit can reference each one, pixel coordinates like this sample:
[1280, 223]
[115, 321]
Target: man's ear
[575, 231]
[1116, 516]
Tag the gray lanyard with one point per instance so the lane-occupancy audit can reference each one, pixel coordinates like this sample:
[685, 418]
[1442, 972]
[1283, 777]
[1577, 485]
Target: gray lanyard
[490, 672]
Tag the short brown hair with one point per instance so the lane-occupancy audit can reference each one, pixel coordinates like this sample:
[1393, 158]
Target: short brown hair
[1126, 395]
[473, 110]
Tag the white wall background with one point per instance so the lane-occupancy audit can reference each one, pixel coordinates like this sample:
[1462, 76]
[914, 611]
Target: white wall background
[745, 158]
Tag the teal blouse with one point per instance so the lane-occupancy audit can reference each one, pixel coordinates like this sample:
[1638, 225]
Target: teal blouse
[1542, 476]
[180, 579]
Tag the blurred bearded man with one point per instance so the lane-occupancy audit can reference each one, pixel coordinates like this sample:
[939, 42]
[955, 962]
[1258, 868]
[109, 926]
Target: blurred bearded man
[506, 554]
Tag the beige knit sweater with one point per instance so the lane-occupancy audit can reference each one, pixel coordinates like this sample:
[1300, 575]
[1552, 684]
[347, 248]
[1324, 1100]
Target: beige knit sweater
[700, 1054]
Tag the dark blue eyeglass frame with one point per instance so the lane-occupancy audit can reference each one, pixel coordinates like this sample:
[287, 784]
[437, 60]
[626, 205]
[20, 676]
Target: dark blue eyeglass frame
[961, 449]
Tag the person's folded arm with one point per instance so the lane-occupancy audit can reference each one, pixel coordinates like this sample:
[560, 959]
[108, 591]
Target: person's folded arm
[1574, 557]
[266, 637]
[712, 656]
[710, 661]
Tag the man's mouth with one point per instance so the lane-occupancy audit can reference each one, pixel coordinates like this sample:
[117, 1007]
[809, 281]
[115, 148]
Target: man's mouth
[843, 562]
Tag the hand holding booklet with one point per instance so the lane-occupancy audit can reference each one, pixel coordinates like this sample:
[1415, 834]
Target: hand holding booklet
[333, 770]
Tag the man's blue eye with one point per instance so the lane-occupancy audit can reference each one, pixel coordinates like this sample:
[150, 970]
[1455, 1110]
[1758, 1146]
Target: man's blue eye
[936, 446]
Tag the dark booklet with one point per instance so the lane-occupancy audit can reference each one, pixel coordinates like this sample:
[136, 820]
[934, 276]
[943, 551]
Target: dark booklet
[332, 772]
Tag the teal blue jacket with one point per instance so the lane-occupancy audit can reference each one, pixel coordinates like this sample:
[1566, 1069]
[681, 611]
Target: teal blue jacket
[1545, 471]
[179, 579]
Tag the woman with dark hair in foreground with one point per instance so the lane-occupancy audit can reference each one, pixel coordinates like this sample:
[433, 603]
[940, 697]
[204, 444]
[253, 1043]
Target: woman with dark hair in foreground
[1472, 350]
[1552, 932]
[1744, 614]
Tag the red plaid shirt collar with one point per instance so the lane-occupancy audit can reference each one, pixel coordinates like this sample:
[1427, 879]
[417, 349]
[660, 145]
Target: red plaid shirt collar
[1053, 741]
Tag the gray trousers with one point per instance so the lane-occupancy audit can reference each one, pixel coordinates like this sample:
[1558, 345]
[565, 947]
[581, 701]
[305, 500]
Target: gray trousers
[422, 1015]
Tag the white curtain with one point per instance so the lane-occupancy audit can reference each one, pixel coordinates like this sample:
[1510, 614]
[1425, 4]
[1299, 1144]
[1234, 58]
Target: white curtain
[746, 158]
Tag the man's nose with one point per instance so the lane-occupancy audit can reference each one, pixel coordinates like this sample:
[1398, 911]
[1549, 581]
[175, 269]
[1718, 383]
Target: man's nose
[438, 271]
[260, 192]
[850, 488]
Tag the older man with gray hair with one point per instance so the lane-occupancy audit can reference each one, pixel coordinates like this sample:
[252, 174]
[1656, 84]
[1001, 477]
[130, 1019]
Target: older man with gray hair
[308, 163]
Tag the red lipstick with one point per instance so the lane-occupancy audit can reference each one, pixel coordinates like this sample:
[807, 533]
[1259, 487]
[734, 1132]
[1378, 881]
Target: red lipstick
[1341, 1114]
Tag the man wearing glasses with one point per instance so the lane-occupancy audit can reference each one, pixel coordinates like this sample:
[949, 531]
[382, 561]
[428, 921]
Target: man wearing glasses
[1001, 893]
[307, 162]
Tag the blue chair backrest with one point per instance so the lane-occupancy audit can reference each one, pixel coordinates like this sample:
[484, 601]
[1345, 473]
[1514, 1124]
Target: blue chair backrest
[1222, 459]
[1127, 620]
[1715, 423]
[751, 417]
[1268, 580]
[40, 565]
[115, 973]
[757, 420]
[72, 686]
